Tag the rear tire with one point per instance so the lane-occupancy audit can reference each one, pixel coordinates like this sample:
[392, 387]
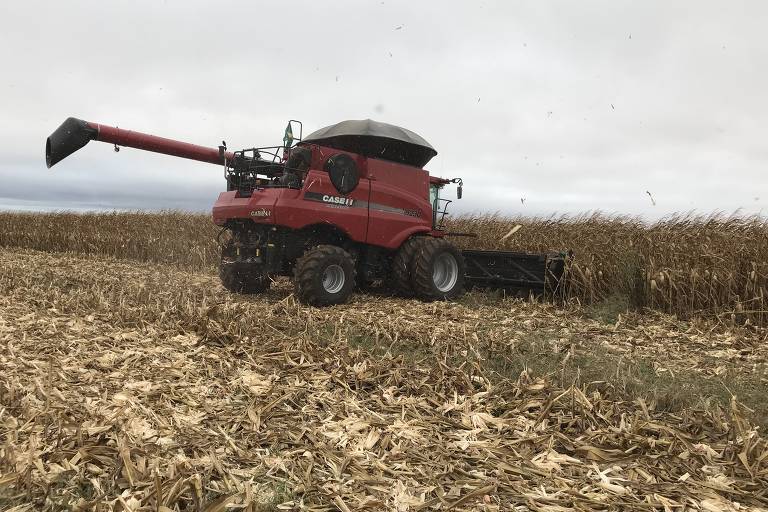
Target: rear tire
[239, 278]
[401, 273]
[438, 271]
[324, 276]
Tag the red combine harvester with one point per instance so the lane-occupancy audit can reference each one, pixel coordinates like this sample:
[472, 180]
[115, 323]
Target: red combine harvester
[348, 205]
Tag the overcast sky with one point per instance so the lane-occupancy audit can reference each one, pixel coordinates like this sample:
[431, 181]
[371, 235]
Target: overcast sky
[573, 106]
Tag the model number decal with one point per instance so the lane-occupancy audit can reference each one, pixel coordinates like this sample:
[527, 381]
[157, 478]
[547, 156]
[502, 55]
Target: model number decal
[342, 201]
[347, 202]
[261, 212]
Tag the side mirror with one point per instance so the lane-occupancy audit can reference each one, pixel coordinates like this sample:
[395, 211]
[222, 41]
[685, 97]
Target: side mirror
[459, 188]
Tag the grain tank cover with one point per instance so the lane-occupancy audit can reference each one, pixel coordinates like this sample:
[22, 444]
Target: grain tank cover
[375, 140]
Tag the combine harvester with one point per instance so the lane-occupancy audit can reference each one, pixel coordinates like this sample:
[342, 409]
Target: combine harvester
[343, 207]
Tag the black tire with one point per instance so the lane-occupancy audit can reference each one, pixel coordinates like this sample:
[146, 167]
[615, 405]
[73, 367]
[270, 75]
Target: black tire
[325, 275]
[438, 271]
[401, 272]
[241, 278]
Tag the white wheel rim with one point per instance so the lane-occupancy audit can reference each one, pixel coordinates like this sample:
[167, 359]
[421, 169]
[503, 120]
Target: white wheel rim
[445, 272]
[333, 278]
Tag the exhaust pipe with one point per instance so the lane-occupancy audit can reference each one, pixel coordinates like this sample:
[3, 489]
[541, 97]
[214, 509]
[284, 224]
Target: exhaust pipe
[74, 134]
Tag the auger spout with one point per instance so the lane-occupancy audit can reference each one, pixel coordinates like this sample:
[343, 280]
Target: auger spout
[74, 134]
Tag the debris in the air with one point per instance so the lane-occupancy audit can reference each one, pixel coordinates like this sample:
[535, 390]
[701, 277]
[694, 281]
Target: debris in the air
[511, 231]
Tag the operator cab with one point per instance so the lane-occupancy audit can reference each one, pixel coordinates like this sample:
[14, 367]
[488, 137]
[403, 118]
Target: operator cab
[440, 204]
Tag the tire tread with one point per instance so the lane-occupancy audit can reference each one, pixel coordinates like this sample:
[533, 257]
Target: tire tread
[402, 266]
[423, 284]
[305, 276]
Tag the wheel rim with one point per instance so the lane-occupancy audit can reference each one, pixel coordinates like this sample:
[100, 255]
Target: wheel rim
[333, 278]
[445, 272]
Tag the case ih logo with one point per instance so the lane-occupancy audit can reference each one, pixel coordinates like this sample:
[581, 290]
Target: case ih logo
[342, 201]
[263, 212]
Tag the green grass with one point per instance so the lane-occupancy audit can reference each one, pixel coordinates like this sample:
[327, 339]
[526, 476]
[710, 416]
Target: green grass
[607, 311]
[592, 369]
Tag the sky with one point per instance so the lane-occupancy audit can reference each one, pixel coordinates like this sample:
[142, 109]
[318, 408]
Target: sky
[542, 107]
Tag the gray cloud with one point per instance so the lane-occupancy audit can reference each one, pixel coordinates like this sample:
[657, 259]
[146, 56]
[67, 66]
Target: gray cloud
[574, 106]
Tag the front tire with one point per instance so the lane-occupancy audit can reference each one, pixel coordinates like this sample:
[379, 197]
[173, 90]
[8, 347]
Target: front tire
[324, 276]
[438, 271]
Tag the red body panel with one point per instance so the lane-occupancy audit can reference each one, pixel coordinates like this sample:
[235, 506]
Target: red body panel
[390, 203]
[262, 202]
[309, 206]
[399, 203]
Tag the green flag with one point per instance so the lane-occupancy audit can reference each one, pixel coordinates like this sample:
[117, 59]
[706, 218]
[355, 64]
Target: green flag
[288, 138]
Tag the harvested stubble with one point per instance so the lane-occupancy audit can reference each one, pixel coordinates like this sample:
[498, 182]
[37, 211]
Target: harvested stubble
[140, 387]
[710, 266]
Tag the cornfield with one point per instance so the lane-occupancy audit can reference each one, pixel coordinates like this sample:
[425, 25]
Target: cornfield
[693, 266]
[710, 266]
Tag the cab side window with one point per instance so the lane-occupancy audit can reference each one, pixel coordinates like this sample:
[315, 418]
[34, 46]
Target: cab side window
[434, 194]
